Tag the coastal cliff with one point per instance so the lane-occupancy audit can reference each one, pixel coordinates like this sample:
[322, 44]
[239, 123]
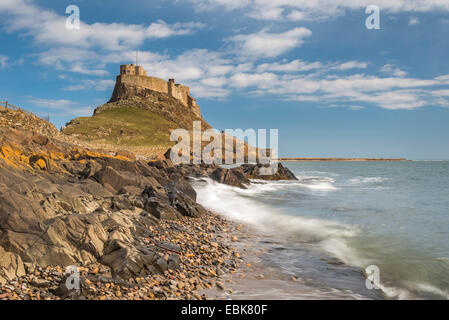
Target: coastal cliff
[133, 228]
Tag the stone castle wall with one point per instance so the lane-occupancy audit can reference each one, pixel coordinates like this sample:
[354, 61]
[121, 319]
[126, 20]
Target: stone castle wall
[146, 82]
[137, 76]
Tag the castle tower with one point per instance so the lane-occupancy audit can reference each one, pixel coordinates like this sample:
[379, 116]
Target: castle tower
[132, 69]
[128, 69]
[171, 87]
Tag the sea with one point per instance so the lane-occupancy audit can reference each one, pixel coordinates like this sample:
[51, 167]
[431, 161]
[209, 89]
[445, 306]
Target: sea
[349, 230]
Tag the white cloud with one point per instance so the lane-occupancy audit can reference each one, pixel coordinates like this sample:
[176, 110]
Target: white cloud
[292, 66]
[227, 4]
[82, 50]
[296, 15]
[52, 103]
[48, 28]
[265, 44]
[244, 80]
[351, 65]
[215, 82]
[414, 21]
[217, 74]
[3, 61]
[267, 14]
[99, 85]
[441, 93]
[57, 107]
[305, 98]
[320, 9]
[443, 78]
[393, 70]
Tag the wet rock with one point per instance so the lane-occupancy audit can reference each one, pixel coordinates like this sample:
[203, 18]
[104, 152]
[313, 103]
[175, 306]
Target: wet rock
[230, 177]
[252, 171]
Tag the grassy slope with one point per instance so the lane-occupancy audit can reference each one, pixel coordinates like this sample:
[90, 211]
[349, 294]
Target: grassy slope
[139, 128]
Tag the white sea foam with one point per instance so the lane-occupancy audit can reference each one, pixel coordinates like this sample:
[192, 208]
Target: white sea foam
[365, 180]
[431, 289]
[237, 204]
[317, 183]
[335, 238]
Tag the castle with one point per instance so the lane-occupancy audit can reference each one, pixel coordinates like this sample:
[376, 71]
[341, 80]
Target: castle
[136, 76]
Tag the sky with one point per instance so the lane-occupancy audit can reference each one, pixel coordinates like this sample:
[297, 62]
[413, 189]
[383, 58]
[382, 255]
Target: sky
[311, 69]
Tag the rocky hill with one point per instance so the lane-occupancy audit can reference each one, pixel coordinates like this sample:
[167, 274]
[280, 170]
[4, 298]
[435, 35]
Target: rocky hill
[140, 121]
[137, 116]
[21, 119]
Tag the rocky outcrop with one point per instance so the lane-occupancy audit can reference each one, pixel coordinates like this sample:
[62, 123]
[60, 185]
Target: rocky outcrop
[11, 266]
[80, 206]
[252, 171]
[64, 205]
[20, 119]
[233, 177]
[158, 103]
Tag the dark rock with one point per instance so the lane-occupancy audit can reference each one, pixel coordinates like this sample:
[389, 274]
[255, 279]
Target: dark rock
[161, 164]
[130, 190]
[174, 262]
[110, 176]
[229, 177]
[162, 264]
[252, 171]
[189, 208]
[184, 186]
[161, 210]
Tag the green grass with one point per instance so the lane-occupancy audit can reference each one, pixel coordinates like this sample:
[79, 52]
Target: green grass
[139, 128]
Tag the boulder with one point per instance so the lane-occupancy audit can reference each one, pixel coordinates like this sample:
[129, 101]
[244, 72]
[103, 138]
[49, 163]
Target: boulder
[11, 266]
[252, 171]
[110, 176]
[229, 177]
[127, 261]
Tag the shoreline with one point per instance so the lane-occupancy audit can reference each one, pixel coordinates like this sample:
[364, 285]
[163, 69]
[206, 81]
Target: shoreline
[221, 259]
[207, 256]
[255, 280]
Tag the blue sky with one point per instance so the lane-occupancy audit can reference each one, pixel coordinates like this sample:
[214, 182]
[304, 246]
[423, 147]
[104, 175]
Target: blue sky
[308, 68]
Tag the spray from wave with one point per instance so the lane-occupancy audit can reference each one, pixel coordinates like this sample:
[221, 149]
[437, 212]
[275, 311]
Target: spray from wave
[238, 204]
[335, 238]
